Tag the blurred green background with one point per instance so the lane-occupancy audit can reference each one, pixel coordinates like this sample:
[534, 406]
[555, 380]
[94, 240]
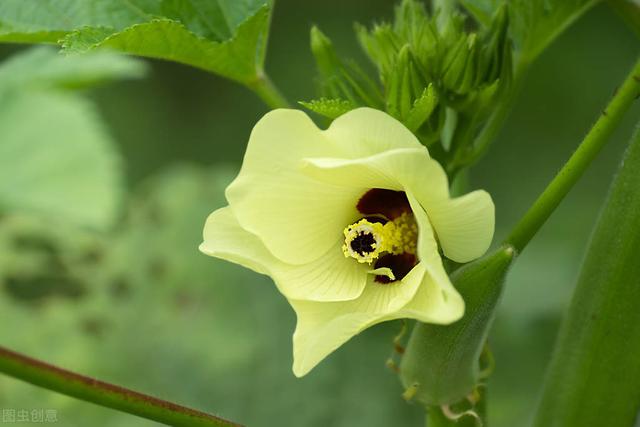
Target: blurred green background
[141, 307]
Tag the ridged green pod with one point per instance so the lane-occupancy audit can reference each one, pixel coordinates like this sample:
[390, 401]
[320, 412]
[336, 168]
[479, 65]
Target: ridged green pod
[594, 375]
[442, 362]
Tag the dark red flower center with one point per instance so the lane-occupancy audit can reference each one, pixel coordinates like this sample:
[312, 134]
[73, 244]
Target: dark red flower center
[382, 205]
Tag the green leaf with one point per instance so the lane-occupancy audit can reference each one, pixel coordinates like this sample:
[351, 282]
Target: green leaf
[45, 21]
[236, 59]
[225, 37]
[43, 67]
[330, 108]
[56, 158]
[594, 375]
[534, 23]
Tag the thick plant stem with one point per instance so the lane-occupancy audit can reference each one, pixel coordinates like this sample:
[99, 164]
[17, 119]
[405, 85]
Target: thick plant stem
[268, 92]
[111, 396]
[599, 134]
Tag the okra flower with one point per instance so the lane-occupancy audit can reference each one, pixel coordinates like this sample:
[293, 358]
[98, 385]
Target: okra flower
[349, 222]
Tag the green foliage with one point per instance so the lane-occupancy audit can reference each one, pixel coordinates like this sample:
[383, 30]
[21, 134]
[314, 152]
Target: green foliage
[44, 259]
[56, 158]
[145, 286]
[594, 376]
[537, 23]
[224, 37]
[150, 264]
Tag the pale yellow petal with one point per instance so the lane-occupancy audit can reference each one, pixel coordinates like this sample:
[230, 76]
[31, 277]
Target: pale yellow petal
[427, 245]
[224, 238]
[377, 171]
[323, 327]
[364, 132]
[464, 225]
[404, 169]
[436, 301]
[332, 277]
[297, 218]
[427, 180]
[433, 304]
[281, 138]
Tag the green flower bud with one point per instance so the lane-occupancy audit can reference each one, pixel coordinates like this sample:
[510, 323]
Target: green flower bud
[381, 45]
[468, 79]
[467, 73]
[496, 54]
[339, 81]
[454, 63]
[322, 49]
[405, 85]
[422, 108]
[441, 363]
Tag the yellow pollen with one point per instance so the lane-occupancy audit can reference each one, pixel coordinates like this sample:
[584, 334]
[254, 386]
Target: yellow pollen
[366, 241]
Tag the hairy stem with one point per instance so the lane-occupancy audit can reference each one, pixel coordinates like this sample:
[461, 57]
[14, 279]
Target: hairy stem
[111, 396]
[268, 92]
[597, 137]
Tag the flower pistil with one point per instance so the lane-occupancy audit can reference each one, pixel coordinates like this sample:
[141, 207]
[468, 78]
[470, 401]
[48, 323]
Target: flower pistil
[369, 238]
